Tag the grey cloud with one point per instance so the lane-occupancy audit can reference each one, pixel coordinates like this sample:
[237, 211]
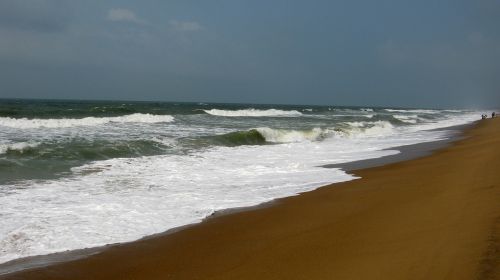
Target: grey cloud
[34, 15]
[123, 15]
[185, 25]
[167, 49]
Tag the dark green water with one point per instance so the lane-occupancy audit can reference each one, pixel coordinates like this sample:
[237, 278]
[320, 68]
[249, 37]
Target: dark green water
[42, 139]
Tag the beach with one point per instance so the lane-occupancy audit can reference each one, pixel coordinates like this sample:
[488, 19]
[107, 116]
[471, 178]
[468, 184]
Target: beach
[77, 175]
[435, 217]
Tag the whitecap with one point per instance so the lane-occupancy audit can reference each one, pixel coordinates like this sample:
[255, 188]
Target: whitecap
[253, 113]
[20, 146]
[289, 136]
[25, 123]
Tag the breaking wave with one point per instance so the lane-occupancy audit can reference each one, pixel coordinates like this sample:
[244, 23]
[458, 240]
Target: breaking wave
[63, 189]
[290, 136]
[248, 137]
[253, 113]
[417, 111]
[82, 149]
[406, 118]
[88, 121]
[20, 147]
[263, 135]
[362, 129]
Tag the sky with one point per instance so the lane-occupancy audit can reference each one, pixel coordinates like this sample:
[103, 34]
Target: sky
[429, 53]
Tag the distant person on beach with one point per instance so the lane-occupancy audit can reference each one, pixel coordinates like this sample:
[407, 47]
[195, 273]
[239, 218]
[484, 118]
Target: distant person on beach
[493, 115]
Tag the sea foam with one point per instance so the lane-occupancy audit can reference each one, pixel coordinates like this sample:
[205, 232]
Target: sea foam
[418, 111]
[407, 118]
[369, 129]
[253, 113]
[88, 121]
[19, 146]
[288, 136]
[123, 199]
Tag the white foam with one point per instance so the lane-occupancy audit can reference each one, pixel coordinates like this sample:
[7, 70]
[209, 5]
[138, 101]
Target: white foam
[357, 129]
[121, 200]
[24, 123]
[379, 128]
[407, 118]
[289, 136]
[20, 146]
[417, 111]
[253, 113]
[445, 122]
[369, 129]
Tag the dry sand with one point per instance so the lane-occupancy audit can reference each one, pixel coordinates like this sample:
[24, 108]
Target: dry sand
[436, 217]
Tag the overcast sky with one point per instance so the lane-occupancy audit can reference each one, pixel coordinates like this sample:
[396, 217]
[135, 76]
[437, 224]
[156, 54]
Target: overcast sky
[434, 53]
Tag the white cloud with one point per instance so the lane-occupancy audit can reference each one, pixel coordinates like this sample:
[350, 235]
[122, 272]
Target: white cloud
[125, 15]
[185, 25]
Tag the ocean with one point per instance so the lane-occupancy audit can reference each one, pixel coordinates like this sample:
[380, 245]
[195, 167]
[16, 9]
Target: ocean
[81, 174]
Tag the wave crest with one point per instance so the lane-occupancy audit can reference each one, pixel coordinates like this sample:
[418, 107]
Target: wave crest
[369, 129]
[247, 137]
[83, 149]
[88, 121]
[20, 147]
[289, 136]
[253, 113]
[406, 118]
[263, 135]
[418, 111]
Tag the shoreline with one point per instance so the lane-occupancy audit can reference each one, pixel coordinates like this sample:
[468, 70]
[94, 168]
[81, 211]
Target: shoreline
[365, 166]
[406, 152]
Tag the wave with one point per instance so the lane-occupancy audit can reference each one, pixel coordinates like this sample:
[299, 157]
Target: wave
[112, 109]
[265, 135]
[248, 137]
[82, 149]
[366, 129]
[406, 118]
[253, 113]
[289, 136]
[417, 111]
[19, 147]
[152, 194]
[88, 121]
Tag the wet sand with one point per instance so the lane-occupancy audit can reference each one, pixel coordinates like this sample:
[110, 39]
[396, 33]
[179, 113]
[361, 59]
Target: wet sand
[435, 217]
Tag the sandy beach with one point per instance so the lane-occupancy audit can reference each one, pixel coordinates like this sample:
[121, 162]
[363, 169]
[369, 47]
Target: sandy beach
[436, 217]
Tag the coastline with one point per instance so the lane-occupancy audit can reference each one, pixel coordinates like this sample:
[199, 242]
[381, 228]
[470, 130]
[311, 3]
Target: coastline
[226, 228]
[406, 152]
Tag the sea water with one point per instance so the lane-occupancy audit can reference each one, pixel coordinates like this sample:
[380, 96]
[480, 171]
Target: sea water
[77, 174]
